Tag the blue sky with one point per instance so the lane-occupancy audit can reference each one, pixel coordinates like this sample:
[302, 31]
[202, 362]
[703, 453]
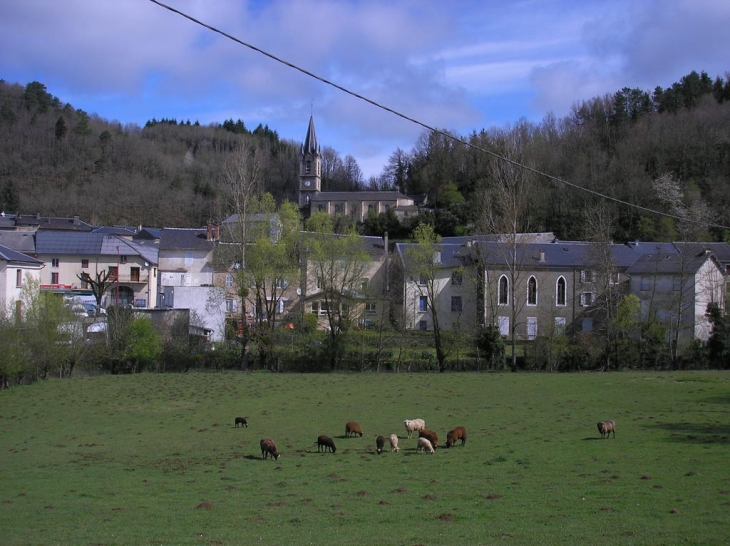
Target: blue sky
[462, 65]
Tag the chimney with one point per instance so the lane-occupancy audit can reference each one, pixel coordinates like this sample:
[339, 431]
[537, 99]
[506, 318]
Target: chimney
[542, 256]
[77, 220]
[209, 235]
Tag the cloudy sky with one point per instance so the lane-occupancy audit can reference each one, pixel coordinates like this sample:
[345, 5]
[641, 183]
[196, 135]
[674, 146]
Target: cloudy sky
[458, 65]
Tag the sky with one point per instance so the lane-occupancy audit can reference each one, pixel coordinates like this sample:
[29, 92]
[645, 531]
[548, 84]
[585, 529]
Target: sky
[462, 65]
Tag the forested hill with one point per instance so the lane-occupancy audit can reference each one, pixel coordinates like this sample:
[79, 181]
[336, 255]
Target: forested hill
[60, 161]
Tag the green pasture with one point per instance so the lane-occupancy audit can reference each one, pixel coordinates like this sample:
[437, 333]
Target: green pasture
[155, 459]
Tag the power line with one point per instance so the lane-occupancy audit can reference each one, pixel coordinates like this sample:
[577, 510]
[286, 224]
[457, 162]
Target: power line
[433, 129]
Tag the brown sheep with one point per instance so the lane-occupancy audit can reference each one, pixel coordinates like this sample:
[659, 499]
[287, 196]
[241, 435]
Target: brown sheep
[379, 444]
[431, 436]
[455, 434]
[394, 443]
[241, 421]
[352, 428]
[325, 443]
[268, 447]
[606, 428]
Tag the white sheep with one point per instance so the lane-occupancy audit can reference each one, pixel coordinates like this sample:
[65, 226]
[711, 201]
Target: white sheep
[414, 425]
[424, 445]
[394, 443]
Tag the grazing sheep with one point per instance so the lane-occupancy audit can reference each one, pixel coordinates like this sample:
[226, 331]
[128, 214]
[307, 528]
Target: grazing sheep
[606, 428]
[268, 447]
[379, 444]
[414, 425]
[431, 436]
[352, 428]
[424, 445]
[241, 421]
[394, 443]
[325, 443]
[456, 433]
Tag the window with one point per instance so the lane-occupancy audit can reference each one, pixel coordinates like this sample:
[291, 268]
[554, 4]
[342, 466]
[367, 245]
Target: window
[422, 278]
[456, 304]
[503, 291]
[370, 307]
[54, 262]
[320, 208]
[364, 285]
[559, 326]
[531, 328]
[54, 278]
[587, 275]
[560, 292]
[315, 307]
[423, 304]
[112, 272]
[423, 325]
[134, 274]
[84, 285]
[614, 278]
[84, 264]
[503, 323]
[645, 283]
[319, 283]
[457, 278]
[532, 291]
[281, 284]
[587, 299]
[229, 281]
[122, 259]
[308, 167]
[337, 209]
[231, 306]
[587, 324]
[18, 278]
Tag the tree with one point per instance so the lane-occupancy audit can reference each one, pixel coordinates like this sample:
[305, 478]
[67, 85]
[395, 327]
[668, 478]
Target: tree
[272, 265]
[338, 264]
[240, 186]
[143, 345]
[503, 204]
[424, 265]
[104, 279]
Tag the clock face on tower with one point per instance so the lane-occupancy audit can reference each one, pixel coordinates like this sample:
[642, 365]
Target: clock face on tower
[307, 183]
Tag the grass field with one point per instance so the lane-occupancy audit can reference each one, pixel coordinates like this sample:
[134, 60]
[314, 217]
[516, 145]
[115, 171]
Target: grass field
[155, 459]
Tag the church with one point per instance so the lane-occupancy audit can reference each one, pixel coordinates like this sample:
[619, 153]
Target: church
[357, 205]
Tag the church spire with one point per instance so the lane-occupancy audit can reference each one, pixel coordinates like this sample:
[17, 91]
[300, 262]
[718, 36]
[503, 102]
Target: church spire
[310, 146]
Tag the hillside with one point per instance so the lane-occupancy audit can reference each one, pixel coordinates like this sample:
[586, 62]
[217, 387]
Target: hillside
[61, 161]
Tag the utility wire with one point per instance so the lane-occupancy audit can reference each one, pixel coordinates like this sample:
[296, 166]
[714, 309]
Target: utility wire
[433, 129]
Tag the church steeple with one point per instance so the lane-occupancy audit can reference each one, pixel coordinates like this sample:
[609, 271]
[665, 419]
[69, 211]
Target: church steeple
[310, 166]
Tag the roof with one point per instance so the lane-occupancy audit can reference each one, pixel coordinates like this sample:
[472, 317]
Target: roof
[310, 145]
[22, 241]
[90, 244]
[185, 239]
[51, 222]
[669, 264]
[359, 196]
[10, 255]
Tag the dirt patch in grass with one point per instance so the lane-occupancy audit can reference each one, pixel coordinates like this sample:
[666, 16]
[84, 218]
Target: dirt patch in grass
[204, 506]
[446, 517]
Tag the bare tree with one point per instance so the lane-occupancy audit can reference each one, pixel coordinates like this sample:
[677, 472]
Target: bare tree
[504, 205]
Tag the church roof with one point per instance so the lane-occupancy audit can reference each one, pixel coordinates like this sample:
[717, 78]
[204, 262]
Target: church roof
[310, 146]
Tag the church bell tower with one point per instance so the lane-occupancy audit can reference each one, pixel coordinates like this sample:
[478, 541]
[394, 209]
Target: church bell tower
[310, 167]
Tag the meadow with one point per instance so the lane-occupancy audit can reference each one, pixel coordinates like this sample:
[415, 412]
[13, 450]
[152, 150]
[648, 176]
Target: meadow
[155, 459]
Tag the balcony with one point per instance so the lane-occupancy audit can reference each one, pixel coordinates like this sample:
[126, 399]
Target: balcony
[142, 278]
